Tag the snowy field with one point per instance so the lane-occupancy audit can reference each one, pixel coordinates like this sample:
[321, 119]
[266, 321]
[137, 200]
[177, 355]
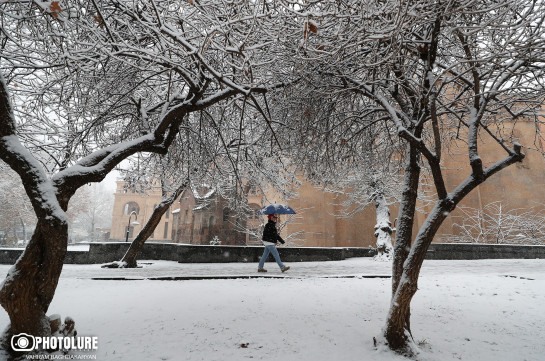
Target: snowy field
[488, 310]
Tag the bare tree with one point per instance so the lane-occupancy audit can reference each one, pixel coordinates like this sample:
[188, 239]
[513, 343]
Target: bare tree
[496, 223]
[439, 73]
[106, 80]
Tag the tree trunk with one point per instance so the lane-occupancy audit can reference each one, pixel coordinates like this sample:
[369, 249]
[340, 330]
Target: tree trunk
[402, 244]
[31, 283]
[383, 228]
[129, 259]
[406, 216]
[397, 331]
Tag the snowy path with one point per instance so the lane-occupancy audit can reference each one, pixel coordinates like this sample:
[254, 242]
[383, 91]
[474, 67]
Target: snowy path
[464, 310]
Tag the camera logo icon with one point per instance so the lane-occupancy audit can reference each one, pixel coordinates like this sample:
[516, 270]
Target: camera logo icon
[23, 342]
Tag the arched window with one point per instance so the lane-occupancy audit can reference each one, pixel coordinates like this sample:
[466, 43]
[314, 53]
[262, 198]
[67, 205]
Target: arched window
[203, 224]
[211, 221]
[225, 214]
[255, 210]
[130, 207]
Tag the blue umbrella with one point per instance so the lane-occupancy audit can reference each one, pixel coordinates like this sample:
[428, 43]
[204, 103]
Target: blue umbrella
[276, 208]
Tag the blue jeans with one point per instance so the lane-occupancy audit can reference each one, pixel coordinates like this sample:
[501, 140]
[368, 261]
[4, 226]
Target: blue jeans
[272, 250]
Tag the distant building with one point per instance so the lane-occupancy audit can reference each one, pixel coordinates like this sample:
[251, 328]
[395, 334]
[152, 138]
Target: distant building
[202, 216]
[127, 200]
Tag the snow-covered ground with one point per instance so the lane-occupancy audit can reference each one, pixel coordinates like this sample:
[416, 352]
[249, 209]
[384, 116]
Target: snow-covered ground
[487, 310]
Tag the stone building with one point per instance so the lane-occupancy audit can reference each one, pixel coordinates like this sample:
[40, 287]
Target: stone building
[128, 200]
[203, 216]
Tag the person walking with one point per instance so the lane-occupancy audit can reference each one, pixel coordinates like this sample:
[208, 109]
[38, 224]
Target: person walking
[270, 239]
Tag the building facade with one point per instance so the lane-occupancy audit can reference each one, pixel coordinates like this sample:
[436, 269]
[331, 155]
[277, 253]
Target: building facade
[128, 200]
[203, 217]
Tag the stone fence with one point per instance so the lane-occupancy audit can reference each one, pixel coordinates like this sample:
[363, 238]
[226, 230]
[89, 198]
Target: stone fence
[483, 251]
[112, 251]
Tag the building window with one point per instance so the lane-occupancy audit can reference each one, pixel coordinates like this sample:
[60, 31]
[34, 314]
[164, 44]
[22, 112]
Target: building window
[254, 211]
[211, 221]
[203, 224]
[131, 207]
[165, 233]
[225, 214]
[167, 213]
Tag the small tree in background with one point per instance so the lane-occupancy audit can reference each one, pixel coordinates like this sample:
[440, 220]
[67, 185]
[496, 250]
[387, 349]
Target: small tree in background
[495, 223]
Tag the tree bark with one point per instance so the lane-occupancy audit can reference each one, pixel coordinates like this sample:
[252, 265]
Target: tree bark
[406, 216]
[383, 228]
[402, 245]
[28, 289]
[397, 331]
[30, 285]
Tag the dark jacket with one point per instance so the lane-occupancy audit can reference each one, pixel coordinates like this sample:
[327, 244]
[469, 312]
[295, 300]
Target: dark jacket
[270, 234]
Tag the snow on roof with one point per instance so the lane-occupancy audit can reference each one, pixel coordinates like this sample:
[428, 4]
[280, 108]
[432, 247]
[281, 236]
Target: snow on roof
[200, 206]
[207, 195]
[175, 211]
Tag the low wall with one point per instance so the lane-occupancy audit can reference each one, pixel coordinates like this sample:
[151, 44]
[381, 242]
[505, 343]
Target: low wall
[10, 256]
[111, 251]
[483, 251]
[108, 252]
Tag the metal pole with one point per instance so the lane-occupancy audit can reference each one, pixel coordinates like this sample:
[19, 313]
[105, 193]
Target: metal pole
[129, 225]
[127, 235]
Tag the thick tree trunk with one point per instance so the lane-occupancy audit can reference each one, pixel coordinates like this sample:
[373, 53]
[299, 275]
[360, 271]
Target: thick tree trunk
[402, 245]
[406, 216]
[383, 228]
[31, 283]
[397, 331]
[129, 259]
